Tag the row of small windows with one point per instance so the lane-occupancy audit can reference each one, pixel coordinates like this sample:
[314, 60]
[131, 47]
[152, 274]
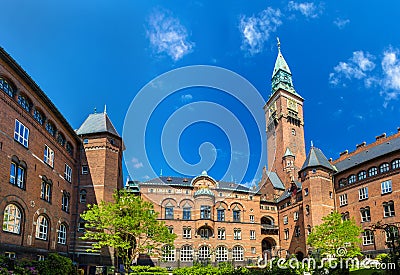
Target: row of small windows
[205, 213]
[21, 132]
[12, 223]
[386, 188]
[391, 234]
[297, 232]
[388, 211]
[203, 253]
[373, 171]
[206, 233]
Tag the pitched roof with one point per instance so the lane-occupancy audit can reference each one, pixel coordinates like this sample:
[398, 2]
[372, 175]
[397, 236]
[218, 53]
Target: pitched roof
[288, 153]
[288, 192]
[97, 123]
[280, 64]
[369, 154]
[316, 158]
[275, 180]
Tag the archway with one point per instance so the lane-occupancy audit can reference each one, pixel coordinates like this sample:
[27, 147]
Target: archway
[268, 245]
[299, 255]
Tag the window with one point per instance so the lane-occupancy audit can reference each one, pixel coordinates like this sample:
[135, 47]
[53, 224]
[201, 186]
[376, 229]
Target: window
[365, 214]
[21, 133]
[384, 167]
[368, 237]
[221, 215]
[253, 250]
[65, 201]
[17, 175]
[187, 233]
[388, 209]
[305, 191]
[10, 255]
[252, 218]
[330, 194]
[24, 102]
[221, 254]
[186, 253]
[168, 253]
[85, 169]
[345, 216]
[50, 128]
[285, 220]
[68, 173]
[61, 139]
[342, 182]
[169, 213]
[362, 175]
[307, 210]
[85, 141]
[81, 225]
[42, 226]
[296, 215]
[293, 132]
[392, 233]
[186, 213]
[308, 229]
[62, 234]
[6, 87]
[252, 234]
[363, 193]
[237, 253]
[205, 212]
[351, 179]
[386, 187]
[171, 229]
[38, 116]
[236, 215]
[343, 200]
[12, 219]
[40, 258]
[69, 149]
[221, 233]
[286, 234]
[297, 231]
[237, 234]
[372, 171]
[396, 164]
[205, 233]
[45, 193]
[82, 196]
[48, 156]
[204, 253]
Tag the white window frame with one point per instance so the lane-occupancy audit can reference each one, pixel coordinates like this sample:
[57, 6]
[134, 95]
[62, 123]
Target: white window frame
[297, 231]
[48, 156]
[388, 209]
[363, 193]
[12, 219]
[237, 234]
[286, 233]
[365, 214]
[368, 237]
[238, 253]
[221, 254]
[45, 191]
[252, 234]
[204, 253]
[85, 169]
[42, 228]
[343, 199]
[187, 233]
[10, 255]
[186, 253]
[68, 173]
[168, 253]
[62, 234]
[252, 218]
[285, 220]
[386, 187]
[296, 215]
[21, 133]
[65, 202]
[221, 233]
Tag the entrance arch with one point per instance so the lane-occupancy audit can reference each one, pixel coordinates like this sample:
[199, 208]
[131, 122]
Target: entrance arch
[267, 246]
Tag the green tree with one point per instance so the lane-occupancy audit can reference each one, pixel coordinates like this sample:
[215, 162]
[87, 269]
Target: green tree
[336, 237]
[128, 224]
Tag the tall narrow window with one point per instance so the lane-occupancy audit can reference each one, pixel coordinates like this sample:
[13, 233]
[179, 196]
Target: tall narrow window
[62, 234]
[17, 174]
[68, 173]
[343, 200]
[42, 226]
[187, 211]
[169, 213]
[186, 253]
[221, 254]
[365, 214]
[61, 139]
[363, 193]
[12, 219]
[21, 133]
[396, 164]
[388, 209]
[221, 233]
[82, 196]
[204, 253]
[237, 253]
[187, 233]
[65, 202]
[252, 234]
[205, 212]
[237, 234]
[46, 191]
[48, 156]
[69, 149]
[50, 128]
[236, 215]
[24, 102]
[168, 253]
[39, 116]
[368, 237]
[220, 215]
[386, 187]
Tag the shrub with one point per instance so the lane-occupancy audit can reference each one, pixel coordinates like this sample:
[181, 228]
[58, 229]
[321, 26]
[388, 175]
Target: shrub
[55, 265]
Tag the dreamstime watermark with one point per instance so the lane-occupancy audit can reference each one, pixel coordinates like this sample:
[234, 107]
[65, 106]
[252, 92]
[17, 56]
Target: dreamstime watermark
[328, 263]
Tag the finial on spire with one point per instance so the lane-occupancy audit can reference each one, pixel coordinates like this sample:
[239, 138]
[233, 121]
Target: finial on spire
[312, 144]
[279, 44]
[161, 172]
[95, 110]
[105, 108]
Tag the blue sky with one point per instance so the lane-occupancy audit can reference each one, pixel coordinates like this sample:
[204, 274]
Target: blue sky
[344, 57]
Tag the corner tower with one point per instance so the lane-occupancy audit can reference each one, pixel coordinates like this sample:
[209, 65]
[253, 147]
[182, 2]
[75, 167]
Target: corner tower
[284, 124]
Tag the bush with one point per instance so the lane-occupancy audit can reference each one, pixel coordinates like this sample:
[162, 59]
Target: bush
[55, 265]
[145, 269]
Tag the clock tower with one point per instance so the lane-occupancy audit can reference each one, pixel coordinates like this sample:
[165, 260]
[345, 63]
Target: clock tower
[285, 124]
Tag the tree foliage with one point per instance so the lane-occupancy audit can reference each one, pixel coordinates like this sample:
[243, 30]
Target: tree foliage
[336, 237]
[128, 224]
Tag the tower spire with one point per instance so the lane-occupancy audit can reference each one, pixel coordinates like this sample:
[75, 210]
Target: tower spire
[278, 44]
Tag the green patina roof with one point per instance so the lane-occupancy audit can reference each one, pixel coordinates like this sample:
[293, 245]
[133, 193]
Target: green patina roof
[280, 64]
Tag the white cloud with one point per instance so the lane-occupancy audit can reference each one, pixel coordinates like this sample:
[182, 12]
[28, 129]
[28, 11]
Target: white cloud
[391, 74]
[308, 9]
[341, 22]
[256, 29]
[167, 35]
[136, 163]
[355, 67]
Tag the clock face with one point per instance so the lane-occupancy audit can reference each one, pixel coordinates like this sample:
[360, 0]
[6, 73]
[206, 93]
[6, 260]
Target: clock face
[291, 104]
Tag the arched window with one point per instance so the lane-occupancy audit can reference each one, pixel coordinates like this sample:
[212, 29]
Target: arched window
[69, 148]
[17, 172]
[186, 253]
[372, 171]
[396, 164]
[368, 237]
[24, 102]
[352, 179]
[45, 193]
[51, 128]
[65, 201]
[62, 234]
[6, 87]
[345, 216]
[342, 182]
[82, 196]
[237, 253]
[168, 253]
[392, 234]
[12, 219]
[204, 253]
[42, 227]
[236, 214]
[39, 116]
[362, 175]
[384, 167]
[221, 254]
[60, 139]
